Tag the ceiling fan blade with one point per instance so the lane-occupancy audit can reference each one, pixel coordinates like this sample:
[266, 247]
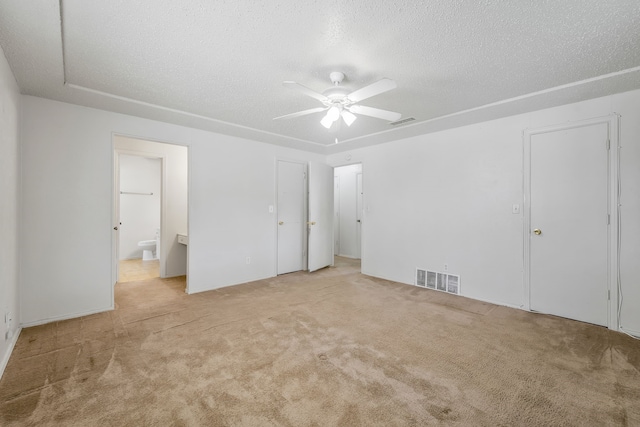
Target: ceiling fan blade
[305, 90]
[302, 113]
[372, 90]
[375, 112]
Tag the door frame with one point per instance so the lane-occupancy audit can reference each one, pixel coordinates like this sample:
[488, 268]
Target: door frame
[358, 233]
[613, 189]
[305, 211]
[363, 214]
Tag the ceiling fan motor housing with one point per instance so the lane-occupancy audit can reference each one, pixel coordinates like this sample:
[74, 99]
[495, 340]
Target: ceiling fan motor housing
[336, 77]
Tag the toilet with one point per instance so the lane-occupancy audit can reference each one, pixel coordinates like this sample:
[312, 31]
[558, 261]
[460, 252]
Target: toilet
[147, 249]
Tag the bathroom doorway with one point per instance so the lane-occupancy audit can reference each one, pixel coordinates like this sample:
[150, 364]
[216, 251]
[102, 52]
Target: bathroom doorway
[150, 210]
[140, 192]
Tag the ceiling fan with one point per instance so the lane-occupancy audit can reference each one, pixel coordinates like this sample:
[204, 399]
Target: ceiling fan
[339, 102]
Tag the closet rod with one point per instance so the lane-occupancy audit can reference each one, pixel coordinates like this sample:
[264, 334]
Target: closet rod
[142, 194]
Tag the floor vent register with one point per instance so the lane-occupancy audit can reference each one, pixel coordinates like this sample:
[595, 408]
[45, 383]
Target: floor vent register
[438, 281]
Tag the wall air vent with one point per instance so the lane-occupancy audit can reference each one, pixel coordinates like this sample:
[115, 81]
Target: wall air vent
[421, 277]
[403, 121]
[444, 282]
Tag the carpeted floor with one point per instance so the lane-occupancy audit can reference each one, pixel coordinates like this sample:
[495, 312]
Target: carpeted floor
[332, 348]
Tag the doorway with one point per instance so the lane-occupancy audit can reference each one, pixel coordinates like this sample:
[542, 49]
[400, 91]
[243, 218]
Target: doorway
[570, 220]
[348, 205]
[139, 247]
[131, 156]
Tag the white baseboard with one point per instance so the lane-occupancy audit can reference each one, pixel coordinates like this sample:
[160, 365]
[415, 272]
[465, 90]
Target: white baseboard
[191, 291]
[64, 317]
[500, 303]
[7, 355]
[634, 334]
[348, 256]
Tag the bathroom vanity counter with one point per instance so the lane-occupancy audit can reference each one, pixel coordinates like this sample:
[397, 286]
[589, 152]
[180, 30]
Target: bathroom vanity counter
[183, 239]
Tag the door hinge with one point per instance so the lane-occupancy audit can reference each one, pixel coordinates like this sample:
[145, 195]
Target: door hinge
[608, 144]
[609, 295]
[608, 219]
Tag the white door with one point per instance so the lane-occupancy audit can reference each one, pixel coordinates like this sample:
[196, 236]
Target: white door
[568, 274]
[336, 217]
[291, 224]
[320, 216]
[359, 215]
[115, 247]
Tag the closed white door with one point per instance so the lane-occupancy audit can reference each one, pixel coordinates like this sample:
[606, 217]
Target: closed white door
[569, 223]
[359, 207]
[336, 216]
[291, 221]
[320, 216]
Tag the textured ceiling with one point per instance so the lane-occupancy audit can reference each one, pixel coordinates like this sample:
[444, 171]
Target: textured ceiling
[219, 65]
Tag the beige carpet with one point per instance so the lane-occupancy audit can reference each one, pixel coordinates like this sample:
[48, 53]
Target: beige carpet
[333, 348]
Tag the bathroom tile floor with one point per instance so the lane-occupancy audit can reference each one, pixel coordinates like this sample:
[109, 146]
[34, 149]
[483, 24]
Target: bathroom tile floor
[132, 270]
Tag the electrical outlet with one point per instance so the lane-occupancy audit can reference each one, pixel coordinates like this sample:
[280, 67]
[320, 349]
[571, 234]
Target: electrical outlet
[248, 260]
[446, 267]
[8, 320]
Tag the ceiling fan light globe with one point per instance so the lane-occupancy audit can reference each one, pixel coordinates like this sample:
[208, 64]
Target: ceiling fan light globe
[348, 117]
[326, 121]
[333, 114]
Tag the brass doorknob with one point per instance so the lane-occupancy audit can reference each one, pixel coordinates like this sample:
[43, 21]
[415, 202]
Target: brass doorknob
[281, 222]
[537, 232]
[311, 223]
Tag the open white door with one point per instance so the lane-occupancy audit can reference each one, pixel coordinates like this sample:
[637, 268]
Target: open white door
[359, 207]
[115, 243]
[320, 216]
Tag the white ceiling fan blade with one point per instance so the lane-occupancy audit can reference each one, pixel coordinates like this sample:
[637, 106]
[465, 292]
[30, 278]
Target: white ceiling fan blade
[302, 113]
[305, 90]
[375, 112]
[372, 90]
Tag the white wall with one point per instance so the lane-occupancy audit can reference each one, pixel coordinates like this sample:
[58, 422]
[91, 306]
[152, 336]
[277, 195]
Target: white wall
[176, 164]
[346, 210]
[139, 213]
[9, 202]
[438, 198]
[446, 197]
[67, 191]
